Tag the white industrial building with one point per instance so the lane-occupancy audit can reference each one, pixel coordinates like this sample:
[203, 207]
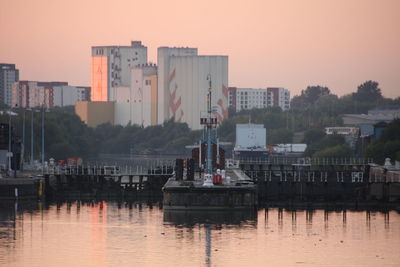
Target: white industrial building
[148, 95]
[188, 86]
[164, 55]
[137, 104]
[249, 136]
[111, 67]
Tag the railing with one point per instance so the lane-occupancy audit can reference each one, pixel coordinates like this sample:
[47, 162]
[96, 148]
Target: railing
[306, 161]
[111, 170]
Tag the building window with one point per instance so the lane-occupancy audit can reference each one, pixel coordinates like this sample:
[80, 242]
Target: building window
[148, 82]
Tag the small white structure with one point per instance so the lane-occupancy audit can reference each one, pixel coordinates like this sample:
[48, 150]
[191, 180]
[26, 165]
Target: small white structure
[208, 180]
[290, 148]
[250, 136]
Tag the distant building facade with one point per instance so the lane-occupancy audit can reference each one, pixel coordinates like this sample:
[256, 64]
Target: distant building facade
[249, 98]
[164, 55]
[281, 97]
[8, 76]
[28, 94]
[146, 94]
[137, 104]
[188, 88]
[373, 117]
[111, 67]
[95, 113]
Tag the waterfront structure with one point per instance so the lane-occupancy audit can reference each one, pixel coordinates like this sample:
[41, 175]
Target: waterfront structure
[251, 141]
[28, 94]
[95, 113]
[111, 67]
[8, 76]
[214, 188]
[137, 104]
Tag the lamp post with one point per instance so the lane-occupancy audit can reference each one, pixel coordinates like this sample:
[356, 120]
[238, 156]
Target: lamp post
[32, 155]
[9, 154]
[23, 144]
[43, 139]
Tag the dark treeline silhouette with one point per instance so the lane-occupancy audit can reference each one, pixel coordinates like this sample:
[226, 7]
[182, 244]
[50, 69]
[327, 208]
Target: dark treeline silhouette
[315, 108]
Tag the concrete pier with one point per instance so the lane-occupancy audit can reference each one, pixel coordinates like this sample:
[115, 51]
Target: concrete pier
[21, 188]
[239, 194]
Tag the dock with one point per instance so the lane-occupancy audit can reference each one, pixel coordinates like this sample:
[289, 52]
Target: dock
[21, 188]
[239, 194]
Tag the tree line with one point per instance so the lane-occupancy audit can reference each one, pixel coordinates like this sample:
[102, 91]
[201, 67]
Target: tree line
[314, 109]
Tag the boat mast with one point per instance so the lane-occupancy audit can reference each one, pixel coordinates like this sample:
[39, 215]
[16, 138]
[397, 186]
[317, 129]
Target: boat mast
[209, 127]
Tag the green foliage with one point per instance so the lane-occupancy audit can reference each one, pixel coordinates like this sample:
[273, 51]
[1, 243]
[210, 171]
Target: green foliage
[309, 97]
[392, 132]
[313, 136]
[66, 135]
[379, 151]
[280, 136]
[338, 151]
[368, 92]
[326, 142]
[388, 146]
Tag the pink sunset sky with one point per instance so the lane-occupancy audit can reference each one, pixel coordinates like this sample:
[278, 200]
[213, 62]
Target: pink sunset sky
[285, 43]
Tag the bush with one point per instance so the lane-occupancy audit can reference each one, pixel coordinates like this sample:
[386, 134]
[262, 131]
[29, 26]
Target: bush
[339, 151]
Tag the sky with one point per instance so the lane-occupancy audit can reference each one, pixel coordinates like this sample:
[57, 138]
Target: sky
[282, 43]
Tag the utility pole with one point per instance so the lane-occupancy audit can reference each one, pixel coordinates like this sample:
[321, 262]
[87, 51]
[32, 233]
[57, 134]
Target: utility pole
[32, 154]
[21, 163]
[9, 142]
[43, 139]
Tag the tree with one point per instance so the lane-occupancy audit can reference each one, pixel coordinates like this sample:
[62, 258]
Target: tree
[313, 136]
[339, 151]
[368, 92]
[279, 136]
[328, 141]
[388, 146]
[309, 96]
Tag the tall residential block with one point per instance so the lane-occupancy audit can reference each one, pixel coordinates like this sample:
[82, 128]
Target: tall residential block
[281, 97]
[8, 76]
[49, 94]
[249, 98]
[111, 67]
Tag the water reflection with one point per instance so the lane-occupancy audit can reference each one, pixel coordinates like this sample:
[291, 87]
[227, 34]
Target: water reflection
[210, 220]
[191, 218]
[98, 233]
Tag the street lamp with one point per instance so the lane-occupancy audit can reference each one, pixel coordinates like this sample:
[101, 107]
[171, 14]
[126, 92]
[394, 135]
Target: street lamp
[32, 139]
[10, 150]
[43, 111]
[21, 163]
[9, 154]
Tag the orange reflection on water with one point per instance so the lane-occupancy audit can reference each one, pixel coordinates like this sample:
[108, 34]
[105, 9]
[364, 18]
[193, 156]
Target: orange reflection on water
[112, 234]
[98, 223]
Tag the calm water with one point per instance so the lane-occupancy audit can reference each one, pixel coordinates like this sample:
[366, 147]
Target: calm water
[112, 234]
